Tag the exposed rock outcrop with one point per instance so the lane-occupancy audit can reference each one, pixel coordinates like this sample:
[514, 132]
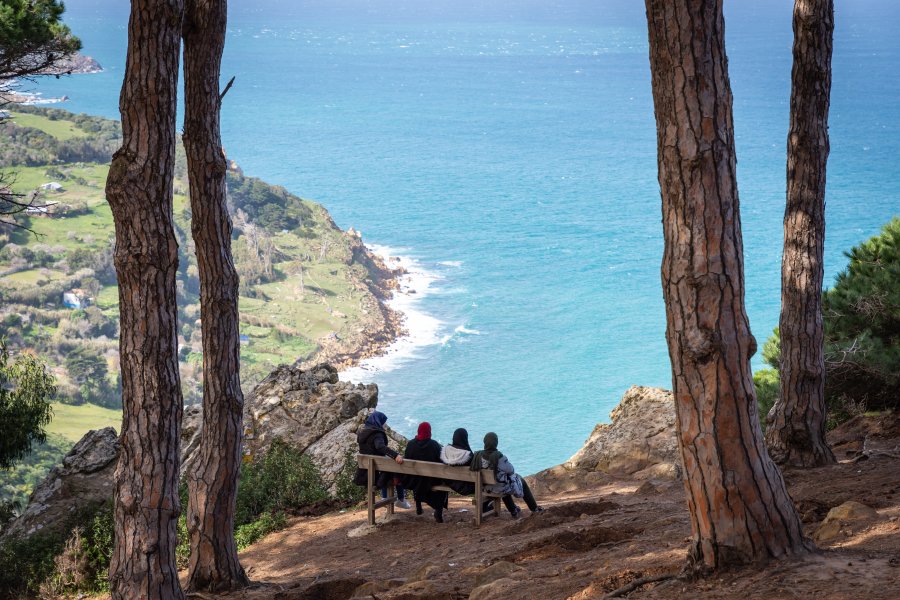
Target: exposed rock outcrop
[639, 443]
[309, 409]
[85, 478]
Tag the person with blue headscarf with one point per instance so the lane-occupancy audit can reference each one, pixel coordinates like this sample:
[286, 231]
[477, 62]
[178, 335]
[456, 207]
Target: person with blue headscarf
[372, 439]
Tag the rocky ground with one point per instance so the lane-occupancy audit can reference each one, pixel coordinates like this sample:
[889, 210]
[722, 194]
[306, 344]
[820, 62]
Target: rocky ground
[599, 536]
[615, 514]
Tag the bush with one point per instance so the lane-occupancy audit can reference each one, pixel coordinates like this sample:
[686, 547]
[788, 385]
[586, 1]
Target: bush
[862, 324]
[347, 491]
[767, 383]
[862, 332]
[26, 563]
[283, 480]
[250, 533]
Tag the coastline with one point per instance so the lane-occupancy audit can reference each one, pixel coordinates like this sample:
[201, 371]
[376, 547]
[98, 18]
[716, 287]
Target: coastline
[409, 328]
[383, 323]
[79, 64]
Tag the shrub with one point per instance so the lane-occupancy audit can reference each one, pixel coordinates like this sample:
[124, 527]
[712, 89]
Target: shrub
[767, 383]
[283, 480]
[862, 324]
[26, 563]
[250, 533]
[347, 491]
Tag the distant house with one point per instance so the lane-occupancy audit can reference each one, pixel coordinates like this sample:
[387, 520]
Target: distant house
[75, 298]
[52, 187]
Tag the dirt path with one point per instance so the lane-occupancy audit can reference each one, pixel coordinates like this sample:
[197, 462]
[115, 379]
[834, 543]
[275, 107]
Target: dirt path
[587, 544]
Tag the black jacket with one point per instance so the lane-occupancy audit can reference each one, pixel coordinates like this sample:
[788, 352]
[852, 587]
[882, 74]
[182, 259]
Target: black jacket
[373, 441]
[427, 450]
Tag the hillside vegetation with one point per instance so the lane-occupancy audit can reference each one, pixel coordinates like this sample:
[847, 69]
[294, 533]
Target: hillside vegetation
[308, 289]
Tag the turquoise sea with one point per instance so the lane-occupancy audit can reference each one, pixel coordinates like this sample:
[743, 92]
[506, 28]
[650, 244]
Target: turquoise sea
[509, 152]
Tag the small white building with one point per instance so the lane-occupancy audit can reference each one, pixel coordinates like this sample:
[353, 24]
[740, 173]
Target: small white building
[53, 186]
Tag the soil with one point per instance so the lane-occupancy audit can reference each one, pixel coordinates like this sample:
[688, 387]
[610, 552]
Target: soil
[592, 541]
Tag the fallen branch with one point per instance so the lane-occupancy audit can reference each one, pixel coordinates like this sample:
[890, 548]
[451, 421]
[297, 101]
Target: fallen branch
[625, 589]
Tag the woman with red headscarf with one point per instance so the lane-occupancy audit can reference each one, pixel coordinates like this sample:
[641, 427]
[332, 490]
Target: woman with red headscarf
[422, 447]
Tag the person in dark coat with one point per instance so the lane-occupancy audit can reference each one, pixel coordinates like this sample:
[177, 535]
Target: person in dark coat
[426, 449]
[372, 439]
[509, 483]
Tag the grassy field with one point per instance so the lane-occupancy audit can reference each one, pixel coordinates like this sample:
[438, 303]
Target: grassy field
[61, 130]
[72, 422]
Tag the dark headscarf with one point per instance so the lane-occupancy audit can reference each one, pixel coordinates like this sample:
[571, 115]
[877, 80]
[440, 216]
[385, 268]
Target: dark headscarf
[461, 439]
[424, 431]
[490, 453]
[376, 420]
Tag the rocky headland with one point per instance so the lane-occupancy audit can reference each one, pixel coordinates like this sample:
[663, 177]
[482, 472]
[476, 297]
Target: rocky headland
[77, 64]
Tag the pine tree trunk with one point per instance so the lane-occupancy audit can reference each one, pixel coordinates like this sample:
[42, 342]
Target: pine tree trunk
[212, 486]
[795, 430]
[139, 191]
[740, 509]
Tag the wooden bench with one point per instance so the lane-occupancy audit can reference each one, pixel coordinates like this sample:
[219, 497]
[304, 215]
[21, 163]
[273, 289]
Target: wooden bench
[384, 464]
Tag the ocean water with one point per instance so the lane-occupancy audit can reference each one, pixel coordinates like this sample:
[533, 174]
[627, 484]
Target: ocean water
[508, 154]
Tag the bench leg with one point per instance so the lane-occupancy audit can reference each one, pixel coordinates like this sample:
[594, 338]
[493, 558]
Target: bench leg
[478, 498]
[370, 485]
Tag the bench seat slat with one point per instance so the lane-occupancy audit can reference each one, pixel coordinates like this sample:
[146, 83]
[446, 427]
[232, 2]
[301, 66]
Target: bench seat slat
[425, 469]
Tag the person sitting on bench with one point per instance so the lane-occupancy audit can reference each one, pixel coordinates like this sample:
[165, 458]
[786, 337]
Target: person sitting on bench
[459, 454]
[509, 483]
[372, 439]
[422, 447]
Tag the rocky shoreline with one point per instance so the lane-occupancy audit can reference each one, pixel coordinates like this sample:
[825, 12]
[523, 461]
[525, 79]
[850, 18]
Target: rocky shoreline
[381, 325]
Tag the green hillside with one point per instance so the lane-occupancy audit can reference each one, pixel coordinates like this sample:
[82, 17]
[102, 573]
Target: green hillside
[304, 282]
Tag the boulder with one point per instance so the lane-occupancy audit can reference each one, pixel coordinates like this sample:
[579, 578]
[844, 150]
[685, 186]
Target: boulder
[84, 480]
[839, 516]
[640, 436]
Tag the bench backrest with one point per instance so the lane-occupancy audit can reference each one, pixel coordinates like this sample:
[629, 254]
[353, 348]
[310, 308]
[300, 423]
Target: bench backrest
[425, 469]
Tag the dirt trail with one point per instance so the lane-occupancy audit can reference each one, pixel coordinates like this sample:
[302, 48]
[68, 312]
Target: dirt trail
[593, 541]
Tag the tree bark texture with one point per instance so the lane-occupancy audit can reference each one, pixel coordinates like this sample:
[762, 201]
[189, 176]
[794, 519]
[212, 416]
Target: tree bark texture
[739, 505]
[795, 430]
[212, 486]
[139, 192]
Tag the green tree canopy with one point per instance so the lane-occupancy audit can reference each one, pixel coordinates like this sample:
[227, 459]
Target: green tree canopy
[862, 328]
[862, 322]
[26, 389]
[32, 38]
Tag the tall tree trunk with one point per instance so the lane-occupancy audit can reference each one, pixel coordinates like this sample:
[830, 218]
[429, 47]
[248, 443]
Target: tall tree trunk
[740, 509]
[212, 486]
[139, 191]
[795, 430]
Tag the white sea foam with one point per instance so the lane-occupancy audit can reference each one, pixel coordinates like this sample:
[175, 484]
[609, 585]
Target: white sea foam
[422, 329]
[466, 330]
[451, 263]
